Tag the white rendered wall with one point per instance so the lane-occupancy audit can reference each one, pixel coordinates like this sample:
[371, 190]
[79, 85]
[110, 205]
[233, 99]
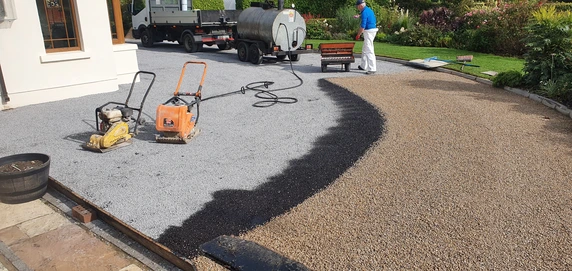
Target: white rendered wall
[33, 76]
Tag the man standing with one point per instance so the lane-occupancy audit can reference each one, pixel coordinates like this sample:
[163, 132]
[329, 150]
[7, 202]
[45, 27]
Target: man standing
[369, 29]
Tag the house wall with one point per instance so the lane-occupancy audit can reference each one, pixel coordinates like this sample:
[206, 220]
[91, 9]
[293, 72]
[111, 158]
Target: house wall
[33, 76]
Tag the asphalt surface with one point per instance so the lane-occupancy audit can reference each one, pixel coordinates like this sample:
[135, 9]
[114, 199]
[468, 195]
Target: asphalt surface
[249, 163]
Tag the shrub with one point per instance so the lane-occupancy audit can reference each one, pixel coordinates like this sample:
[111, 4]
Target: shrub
[416, 6]
[549, 46]
[440, 18]
[345, 20]
[509, 79]
[318, 29]
[208, 4]
[559, 89]
[386, 18]
[422, 35]
[560, 6]
[403, 21]
[381, 37]
[498, 30]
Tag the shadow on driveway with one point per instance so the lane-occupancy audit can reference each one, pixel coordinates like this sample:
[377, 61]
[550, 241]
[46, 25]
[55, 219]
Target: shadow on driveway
[234, 211]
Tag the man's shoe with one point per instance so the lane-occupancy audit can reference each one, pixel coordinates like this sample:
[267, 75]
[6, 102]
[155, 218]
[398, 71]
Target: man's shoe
[370, 72]
[360, 68]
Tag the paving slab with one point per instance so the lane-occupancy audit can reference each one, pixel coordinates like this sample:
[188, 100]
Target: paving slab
[68, 248]
[13, 214]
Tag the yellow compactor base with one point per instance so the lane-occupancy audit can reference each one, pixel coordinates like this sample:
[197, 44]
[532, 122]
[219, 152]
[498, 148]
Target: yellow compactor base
[116, 146]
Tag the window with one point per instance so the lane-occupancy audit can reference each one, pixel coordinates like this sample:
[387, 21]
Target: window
[7, 11]
[115, 21]
[138, 6]
[59, 25]
[2, 10]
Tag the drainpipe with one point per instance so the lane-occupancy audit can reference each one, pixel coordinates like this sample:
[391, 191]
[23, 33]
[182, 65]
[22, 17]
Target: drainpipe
[3, 91]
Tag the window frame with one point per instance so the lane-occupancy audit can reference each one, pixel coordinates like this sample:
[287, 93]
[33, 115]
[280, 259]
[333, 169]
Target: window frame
[74, 17]
[116, 8]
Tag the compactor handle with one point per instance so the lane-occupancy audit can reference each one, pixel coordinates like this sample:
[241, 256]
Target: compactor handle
[198, 93]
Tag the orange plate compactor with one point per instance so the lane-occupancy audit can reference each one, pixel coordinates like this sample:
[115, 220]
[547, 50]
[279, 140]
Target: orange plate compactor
[175, 120]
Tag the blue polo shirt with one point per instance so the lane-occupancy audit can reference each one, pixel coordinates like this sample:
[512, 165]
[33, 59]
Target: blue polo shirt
[368, 20]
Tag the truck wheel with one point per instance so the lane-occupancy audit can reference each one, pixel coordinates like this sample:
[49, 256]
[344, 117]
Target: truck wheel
[255, 54]
[281, 57]
[294, 57]
[147, 38]
[347, 67]
[189, 43]
[324, 67]
[224, 46]
[242, 51]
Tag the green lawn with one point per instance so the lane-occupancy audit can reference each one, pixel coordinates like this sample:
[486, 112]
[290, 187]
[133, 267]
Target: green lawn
[487, 62]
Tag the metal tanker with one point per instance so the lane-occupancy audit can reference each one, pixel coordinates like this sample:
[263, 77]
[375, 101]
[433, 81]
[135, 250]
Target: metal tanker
[265, 30]
[285, 28]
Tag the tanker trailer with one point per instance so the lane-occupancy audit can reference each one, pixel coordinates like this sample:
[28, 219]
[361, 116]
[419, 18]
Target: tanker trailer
[264, 30]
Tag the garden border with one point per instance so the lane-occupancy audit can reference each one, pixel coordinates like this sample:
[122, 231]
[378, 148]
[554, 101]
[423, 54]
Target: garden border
[535, 97]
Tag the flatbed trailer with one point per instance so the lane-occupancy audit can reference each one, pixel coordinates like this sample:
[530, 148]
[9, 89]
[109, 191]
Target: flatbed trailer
[193, 28]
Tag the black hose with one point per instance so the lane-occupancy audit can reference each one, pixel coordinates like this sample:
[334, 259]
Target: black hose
[268, 96]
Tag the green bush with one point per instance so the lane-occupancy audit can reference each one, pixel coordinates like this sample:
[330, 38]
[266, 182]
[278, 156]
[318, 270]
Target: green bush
[318, 29]
[404, 21]
[208, 4]
[345, 21]
[381, 37]
[422, 35]
[560, 6]
[549, 46]
[242, 4]
[509, 79]
[498, 30]
[386, 18]
[559, 89]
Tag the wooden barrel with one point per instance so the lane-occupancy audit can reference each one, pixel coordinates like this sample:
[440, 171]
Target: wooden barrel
[23, 178]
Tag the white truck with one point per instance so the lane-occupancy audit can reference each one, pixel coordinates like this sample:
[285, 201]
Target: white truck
[176, 20]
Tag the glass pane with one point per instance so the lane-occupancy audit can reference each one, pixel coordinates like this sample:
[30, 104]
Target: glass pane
[2, 11]
[138, 6]
[112, 23]
[57, 19]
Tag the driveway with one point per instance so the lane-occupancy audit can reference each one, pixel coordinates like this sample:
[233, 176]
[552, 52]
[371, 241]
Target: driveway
[248, 165]
[464, 176]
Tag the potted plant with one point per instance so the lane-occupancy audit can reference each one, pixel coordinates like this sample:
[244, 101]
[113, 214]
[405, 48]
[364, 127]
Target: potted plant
[23, 177]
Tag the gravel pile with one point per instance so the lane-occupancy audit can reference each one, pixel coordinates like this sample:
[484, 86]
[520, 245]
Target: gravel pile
[464, 176]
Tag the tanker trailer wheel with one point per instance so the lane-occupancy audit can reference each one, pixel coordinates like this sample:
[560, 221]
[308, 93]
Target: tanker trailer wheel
[294, 57]
[255, 54]
[242, 51]
[147, 38]
[189, 43]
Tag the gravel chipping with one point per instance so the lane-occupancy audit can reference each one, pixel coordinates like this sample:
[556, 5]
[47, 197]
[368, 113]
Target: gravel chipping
[464, 176]
[247, 165]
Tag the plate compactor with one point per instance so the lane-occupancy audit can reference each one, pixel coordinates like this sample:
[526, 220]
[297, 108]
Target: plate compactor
[175, 120]
[116, 119]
